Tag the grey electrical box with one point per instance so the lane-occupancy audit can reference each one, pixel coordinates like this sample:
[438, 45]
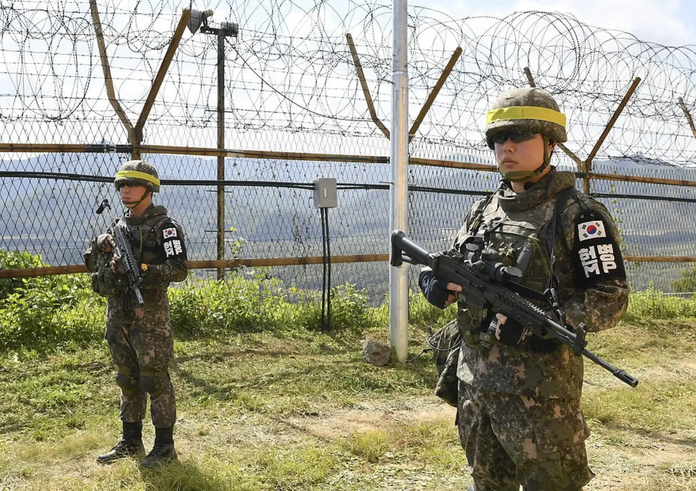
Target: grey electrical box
[325, 193]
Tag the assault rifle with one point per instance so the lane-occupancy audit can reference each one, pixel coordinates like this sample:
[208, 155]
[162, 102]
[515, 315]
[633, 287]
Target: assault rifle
[488, 284]
[130, 265]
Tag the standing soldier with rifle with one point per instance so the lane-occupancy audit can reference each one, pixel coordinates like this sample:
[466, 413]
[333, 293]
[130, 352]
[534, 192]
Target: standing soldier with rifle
[519, 414]
[132, 265]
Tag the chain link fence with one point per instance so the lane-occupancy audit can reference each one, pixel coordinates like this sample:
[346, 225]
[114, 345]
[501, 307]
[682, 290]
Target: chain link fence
[85, 86]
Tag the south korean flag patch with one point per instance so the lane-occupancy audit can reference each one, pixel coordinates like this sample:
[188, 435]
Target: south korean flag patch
[596, 254]
[173, 244]
[591, 229]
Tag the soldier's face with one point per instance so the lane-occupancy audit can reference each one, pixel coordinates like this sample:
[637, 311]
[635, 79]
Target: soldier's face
[130, 195]
[525, 156]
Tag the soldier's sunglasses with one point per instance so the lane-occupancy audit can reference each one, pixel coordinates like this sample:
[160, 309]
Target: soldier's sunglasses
[517, 136]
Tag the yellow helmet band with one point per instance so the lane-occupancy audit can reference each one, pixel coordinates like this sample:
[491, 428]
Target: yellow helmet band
[134, 174]
[526, 112]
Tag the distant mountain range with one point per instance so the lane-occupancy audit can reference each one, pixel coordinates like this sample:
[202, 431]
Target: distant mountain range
[56, 217]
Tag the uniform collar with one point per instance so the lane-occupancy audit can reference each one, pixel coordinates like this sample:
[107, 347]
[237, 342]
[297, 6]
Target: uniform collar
[537, 193]
[150, 212]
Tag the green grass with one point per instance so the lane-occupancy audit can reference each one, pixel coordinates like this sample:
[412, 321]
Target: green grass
[268, 402]
[651, 304]
[255, 412]
[262, 411]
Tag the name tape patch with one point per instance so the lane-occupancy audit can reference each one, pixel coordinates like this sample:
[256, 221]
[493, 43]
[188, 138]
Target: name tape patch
[597, 260]
[173, 248]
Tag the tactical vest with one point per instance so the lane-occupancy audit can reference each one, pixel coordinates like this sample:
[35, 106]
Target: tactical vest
[145, 234]
[521, 238]
[146, 238]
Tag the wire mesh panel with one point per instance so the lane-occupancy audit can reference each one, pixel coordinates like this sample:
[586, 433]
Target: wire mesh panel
[297, 108]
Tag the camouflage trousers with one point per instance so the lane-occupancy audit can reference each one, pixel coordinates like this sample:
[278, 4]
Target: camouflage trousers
[513, 440]
[141, 345]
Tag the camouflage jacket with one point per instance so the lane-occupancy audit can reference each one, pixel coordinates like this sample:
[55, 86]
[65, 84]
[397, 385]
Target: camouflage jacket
[591, 282]
[156, 240]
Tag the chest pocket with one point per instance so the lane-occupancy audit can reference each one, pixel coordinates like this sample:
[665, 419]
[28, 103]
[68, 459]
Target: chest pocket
[147, 243]
[518, 244]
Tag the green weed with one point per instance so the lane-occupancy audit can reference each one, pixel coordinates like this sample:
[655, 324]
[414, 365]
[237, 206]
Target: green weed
[651, 304]
[267, 401]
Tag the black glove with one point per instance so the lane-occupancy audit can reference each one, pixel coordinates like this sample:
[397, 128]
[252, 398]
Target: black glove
[511, 332]
[434, 289]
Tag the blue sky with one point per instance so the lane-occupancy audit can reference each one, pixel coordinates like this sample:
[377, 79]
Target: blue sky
[668, 22]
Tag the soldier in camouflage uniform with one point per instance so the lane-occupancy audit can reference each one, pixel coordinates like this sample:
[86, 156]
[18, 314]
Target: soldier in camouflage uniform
[519, 415]
[140, 336]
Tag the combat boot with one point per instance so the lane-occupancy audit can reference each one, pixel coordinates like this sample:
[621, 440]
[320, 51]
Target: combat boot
[163, 450]
[131, 443]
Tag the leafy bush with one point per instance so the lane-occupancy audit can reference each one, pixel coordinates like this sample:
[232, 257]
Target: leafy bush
[49, 312]
[16, 260]
[423, 314]
[45, 312]
[58, 289]
[349, 310]
[687, 282]
[35, 322]
[210, 308]
[652, 304]
[244, 303]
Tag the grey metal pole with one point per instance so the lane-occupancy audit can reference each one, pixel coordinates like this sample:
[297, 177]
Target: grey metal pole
[200, 19]
[221, 146]
[398, 277]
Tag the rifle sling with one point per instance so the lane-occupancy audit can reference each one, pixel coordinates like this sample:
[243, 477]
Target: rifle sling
[559, 206]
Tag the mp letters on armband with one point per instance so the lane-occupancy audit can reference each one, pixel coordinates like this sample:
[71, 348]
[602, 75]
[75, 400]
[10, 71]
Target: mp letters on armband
[172, 242]
[596, 254]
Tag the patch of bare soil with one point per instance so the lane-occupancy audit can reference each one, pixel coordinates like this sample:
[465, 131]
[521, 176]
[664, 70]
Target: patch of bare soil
[657, 461]
[367, 418]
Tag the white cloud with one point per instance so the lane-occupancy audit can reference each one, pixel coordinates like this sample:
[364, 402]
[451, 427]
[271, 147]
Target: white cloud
[649, 20]
[659, 21]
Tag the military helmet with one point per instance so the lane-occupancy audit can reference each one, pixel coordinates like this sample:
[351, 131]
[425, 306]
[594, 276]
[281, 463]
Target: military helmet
[138, 173]
[530, 109]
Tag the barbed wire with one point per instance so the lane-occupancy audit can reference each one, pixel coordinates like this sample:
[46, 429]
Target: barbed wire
[291, 81]
[291, 85]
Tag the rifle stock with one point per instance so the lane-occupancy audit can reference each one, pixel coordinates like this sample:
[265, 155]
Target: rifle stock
[484, 285]
[130, 265]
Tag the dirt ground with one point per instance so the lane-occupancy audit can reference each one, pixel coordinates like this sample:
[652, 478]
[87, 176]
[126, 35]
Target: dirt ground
[647, 463]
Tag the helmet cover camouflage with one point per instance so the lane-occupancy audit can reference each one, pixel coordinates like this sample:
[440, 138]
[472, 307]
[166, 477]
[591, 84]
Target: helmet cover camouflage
[138, 173]
[531, 109]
